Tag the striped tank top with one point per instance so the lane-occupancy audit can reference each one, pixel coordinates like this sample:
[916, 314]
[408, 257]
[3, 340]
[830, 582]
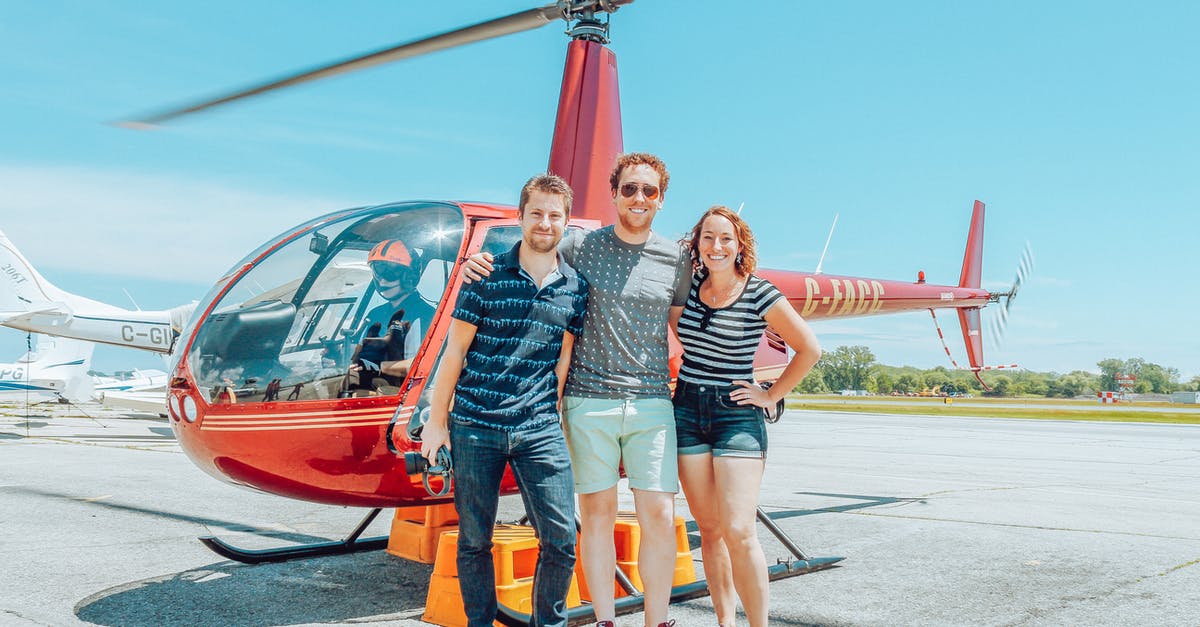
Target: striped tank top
[719, 343]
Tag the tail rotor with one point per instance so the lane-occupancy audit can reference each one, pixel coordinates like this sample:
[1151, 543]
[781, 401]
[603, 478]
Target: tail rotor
[1000, 321]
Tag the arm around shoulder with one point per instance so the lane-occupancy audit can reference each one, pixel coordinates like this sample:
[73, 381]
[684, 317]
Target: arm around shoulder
[477, 267]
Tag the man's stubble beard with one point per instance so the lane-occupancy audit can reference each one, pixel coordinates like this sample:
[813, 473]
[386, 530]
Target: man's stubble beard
[541, 248]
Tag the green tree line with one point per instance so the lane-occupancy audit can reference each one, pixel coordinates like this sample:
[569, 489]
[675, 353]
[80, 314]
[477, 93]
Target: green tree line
[855, 368]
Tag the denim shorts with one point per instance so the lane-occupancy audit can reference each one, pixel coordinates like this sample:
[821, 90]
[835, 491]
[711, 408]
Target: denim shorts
[708, 421]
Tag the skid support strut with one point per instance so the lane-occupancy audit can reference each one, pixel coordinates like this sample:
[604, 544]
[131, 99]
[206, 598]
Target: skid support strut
[635, 602]
[350, 544]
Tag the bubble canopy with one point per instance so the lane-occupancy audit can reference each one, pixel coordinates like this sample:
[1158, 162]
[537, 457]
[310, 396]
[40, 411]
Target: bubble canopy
[289, 327]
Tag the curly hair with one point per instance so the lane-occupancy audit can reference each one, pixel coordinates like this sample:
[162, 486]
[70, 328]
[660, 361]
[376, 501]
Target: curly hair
[746, 261]
[548, 184]
[639, 158]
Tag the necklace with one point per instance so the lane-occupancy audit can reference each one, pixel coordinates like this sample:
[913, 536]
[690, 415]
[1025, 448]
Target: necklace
[716, 296]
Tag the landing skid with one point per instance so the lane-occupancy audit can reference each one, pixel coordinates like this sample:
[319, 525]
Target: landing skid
[350, 544]
[632, 602]
[635, 602]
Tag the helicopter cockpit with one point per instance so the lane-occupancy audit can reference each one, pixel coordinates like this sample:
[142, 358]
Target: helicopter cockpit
[297, 326]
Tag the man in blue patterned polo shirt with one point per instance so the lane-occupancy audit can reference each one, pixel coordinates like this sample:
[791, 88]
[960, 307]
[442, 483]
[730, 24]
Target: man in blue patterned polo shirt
[506, 362]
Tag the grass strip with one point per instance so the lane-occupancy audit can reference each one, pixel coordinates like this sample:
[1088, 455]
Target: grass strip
[1095, 414]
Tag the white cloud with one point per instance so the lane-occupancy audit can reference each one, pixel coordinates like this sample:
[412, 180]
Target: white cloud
[1048, 281]
[142, 225]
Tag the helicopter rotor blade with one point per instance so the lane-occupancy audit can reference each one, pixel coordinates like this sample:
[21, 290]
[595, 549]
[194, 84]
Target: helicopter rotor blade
[1000, 319]
[996, 333]
[999, 326]
[1024, 269]
[515, 23]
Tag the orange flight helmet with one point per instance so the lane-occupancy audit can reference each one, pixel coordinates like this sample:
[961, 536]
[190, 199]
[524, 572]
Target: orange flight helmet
[392, 251]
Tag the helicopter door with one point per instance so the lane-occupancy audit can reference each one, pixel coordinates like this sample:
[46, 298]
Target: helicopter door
[495, 237]
[492, 236]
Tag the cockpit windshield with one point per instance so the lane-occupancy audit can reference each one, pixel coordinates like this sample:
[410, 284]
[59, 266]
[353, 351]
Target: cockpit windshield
[339, 311]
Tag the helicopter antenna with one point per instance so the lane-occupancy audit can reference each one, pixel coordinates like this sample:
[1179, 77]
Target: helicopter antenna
[827, 239]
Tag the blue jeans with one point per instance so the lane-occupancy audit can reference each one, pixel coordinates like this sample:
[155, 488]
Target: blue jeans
[707, 420]
[542, 469]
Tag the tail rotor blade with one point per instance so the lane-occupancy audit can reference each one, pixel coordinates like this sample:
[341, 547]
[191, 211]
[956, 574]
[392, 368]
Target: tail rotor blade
[1024, 268]
[1000, 325]
[996, 333]
[1000, 314]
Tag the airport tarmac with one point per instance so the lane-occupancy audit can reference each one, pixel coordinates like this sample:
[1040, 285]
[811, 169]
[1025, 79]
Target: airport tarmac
[1095, 408]
[942, 521]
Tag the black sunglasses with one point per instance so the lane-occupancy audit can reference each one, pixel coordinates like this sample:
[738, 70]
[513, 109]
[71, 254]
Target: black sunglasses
[629, 190]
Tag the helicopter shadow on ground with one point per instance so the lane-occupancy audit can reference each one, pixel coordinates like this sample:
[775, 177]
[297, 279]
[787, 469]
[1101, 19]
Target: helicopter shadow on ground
[323, 590]
[227, 525]
[858, 501]
[163, 432]
[15, 430]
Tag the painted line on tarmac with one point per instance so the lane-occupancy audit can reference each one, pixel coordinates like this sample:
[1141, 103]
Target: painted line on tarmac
[1017, 526]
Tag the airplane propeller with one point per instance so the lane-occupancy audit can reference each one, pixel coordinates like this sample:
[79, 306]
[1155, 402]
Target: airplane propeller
[1000, 320]
[529, 19]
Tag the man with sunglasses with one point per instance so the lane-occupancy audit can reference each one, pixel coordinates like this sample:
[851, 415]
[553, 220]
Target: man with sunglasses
[617, 402]
[392, 330]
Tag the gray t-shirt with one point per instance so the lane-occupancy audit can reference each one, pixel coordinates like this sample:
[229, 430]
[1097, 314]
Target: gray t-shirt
[623, 350]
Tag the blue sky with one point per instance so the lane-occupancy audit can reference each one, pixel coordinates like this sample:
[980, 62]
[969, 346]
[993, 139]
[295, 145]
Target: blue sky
[1076, 122]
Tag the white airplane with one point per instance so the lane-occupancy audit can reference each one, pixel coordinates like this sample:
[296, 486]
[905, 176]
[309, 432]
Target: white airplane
[31, 303]
[139, 390]
[136, 380]
[56, 368]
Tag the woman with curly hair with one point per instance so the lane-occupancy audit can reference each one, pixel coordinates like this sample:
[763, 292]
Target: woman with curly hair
[719, 419]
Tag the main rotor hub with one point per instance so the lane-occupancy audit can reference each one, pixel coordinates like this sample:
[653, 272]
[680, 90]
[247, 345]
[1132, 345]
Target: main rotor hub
[585, 14]
[588, 28]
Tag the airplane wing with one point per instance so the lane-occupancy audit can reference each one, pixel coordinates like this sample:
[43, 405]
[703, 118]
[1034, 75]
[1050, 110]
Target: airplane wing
[43, 315]
[151, 402]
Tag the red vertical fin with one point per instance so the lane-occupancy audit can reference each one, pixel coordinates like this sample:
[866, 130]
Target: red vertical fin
[968, 319]
[972, 268]
[973, 258]
[587, 133]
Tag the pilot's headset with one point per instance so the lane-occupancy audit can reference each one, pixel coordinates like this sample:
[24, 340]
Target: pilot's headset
[391, 261]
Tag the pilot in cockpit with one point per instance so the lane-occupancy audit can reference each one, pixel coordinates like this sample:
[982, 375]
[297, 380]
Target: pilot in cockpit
[392, 331]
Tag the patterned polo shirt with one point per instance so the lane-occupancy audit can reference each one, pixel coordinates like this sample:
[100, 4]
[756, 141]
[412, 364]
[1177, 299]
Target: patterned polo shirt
[508, 380]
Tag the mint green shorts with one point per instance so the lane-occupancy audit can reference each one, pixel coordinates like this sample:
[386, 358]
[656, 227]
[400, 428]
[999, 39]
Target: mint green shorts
[605, 433]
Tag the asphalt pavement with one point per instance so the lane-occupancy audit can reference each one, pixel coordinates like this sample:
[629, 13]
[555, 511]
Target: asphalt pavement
[942, 521]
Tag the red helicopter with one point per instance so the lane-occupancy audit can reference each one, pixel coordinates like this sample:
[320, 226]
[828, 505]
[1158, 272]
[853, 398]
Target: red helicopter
[258, 393]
